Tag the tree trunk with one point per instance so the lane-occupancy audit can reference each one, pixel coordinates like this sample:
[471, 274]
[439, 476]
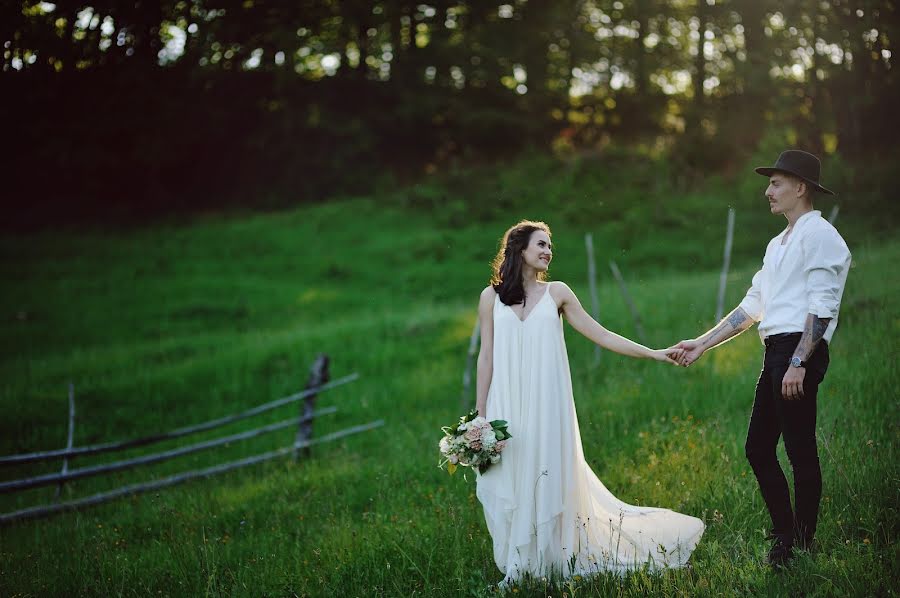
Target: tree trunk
[699, 71]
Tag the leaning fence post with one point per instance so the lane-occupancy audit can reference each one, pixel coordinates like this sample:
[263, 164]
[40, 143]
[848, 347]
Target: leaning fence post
[834, 213]
[634, 312]
[470, 360]
[318, 375]
[726, 261]
[592, 285]
[65, 466]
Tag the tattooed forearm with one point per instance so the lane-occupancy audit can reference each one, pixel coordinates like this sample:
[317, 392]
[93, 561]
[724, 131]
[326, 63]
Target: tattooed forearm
[813, 332]
[733, 324]
[736, 318]
[713, 334]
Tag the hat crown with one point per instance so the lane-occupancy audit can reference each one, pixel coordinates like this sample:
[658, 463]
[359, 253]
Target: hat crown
[801, 163]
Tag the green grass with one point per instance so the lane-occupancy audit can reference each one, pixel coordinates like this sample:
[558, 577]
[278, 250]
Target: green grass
[173, 324]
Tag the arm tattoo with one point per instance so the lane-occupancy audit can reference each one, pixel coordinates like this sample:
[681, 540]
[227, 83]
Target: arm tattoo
[735, 320]
[813, 332]
[708, 338]
[820, 325]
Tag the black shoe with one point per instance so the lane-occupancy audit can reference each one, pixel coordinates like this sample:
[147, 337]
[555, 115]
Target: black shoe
[780, 554]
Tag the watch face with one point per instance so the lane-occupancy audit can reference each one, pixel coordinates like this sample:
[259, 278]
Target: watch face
[795, 361]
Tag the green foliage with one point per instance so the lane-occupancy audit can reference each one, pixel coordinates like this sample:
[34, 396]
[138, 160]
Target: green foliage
[174, 324]
[180, 106]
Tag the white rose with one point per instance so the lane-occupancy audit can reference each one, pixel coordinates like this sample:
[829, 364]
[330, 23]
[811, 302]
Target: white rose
[478, 421]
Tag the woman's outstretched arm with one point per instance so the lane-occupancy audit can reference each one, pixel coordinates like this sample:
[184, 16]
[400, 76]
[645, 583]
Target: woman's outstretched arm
[486, 353]
[588, 326]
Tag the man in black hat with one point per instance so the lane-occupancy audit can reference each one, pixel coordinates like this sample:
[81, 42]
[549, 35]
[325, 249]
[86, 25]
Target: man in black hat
[795, 297]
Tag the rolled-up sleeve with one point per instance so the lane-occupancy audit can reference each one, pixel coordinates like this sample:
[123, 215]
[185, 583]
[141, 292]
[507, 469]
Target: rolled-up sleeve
[827, 260]
[752, 302]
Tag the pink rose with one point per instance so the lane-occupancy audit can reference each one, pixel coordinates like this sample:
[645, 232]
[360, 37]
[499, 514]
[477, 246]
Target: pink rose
[500, 445]
[472, 434]
[475, 445]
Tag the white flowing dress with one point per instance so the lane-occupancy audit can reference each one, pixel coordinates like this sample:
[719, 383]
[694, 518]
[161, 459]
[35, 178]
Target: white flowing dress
[546, 510]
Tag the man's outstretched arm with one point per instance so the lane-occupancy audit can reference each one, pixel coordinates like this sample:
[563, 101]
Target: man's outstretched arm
[732, 325]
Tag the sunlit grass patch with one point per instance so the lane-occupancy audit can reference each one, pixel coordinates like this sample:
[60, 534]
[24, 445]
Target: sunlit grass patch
[732, 358]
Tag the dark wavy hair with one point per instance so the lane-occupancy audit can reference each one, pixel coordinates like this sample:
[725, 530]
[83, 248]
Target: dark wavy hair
[507, 265]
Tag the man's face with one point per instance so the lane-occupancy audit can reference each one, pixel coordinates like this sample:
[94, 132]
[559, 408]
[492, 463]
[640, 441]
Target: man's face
[784, 192]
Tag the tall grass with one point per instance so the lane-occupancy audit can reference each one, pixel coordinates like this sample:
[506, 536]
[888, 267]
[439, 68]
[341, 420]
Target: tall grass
[173, 324]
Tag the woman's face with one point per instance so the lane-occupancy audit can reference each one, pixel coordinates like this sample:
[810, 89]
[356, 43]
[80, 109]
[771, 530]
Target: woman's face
[539, 251]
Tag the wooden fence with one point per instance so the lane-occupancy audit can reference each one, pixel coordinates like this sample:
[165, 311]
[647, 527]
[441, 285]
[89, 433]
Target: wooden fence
[317, 383]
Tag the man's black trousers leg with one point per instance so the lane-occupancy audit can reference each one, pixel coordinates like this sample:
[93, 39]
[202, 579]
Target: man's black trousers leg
[795, 420]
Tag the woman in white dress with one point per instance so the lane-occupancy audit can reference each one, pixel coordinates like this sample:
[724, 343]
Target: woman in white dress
[546, 510]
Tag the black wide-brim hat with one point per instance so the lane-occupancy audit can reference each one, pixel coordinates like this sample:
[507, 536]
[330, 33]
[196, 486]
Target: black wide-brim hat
[800, 164]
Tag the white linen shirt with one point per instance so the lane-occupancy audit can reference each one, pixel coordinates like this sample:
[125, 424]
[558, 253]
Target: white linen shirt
[809, 279]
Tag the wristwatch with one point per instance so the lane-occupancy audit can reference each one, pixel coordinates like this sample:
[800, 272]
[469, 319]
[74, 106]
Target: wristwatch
[796, 362]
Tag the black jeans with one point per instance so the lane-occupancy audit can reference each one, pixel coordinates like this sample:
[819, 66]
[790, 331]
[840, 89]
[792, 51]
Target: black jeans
[772, 417]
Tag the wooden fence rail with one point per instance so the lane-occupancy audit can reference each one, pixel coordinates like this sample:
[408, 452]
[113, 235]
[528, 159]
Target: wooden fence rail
[43, 510]
[86, 472]
[177, 433]
[318, 382]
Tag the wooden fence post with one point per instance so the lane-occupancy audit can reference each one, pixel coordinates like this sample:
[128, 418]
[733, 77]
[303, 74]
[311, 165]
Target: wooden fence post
[318, 375]
[65, 466]
[592, 285]
[726, 262]
[634, 312]
[470, 360]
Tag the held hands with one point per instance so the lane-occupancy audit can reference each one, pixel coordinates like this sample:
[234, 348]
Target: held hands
[691, 351]
[670, 355]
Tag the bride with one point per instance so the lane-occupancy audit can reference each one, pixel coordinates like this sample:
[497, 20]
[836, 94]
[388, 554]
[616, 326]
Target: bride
[546, 510]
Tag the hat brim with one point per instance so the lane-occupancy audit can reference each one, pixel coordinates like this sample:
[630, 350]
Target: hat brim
[768, 171]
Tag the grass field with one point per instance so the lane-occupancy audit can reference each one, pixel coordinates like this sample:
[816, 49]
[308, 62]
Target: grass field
[172, 324]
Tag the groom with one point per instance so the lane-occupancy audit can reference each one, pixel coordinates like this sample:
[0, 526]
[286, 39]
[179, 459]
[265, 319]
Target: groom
[795, 297]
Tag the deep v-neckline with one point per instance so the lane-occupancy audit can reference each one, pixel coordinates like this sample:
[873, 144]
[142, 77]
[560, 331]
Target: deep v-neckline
[525, 319]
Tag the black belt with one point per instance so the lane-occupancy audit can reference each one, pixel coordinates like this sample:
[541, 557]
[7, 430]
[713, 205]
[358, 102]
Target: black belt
[781, 338]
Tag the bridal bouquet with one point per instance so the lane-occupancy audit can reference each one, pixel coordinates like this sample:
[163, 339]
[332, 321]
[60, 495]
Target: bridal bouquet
[473, 442]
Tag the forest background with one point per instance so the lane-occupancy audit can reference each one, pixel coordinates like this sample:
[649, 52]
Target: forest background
[154, 107]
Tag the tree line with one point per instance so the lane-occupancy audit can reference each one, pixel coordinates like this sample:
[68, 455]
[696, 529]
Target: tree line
[154, 105]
